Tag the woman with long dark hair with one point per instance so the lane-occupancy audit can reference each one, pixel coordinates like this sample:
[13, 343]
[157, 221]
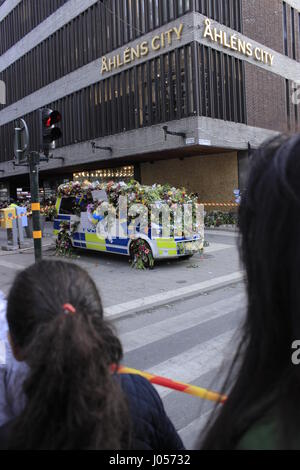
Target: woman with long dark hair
[263, 410]
[72, 397]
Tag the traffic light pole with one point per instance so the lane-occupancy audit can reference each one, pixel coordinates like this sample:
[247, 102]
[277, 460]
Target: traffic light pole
[33, 161]
[49, 133]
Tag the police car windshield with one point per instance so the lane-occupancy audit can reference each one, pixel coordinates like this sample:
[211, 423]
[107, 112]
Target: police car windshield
[67, 205]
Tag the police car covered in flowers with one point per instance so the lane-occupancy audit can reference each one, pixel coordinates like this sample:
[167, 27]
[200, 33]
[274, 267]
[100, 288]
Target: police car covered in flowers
[143, 222]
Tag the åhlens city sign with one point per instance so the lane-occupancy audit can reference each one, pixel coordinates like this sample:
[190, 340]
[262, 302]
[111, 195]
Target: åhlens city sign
[236, 43]
[130, 54]
[166, 38]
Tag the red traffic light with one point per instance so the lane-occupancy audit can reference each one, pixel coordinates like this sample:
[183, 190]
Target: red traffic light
[49, 132]
[53, 118]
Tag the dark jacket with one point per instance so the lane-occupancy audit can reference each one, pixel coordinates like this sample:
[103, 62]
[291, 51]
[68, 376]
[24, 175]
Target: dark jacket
[151, 427]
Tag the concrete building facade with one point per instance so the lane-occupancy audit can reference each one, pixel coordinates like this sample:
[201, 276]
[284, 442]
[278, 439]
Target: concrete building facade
[178, 90]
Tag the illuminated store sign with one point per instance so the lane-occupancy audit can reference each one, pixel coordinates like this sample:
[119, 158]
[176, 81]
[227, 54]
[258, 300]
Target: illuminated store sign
[131, 54]
[161, 41]
[235, 43]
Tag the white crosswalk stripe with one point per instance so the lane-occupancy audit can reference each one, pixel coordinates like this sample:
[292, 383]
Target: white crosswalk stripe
[200, 360]
[161, 330]
[190, 433]
[9, 265]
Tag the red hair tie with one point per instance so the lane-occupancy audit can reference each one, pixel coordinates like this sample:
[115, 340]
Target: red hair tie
[69, 309]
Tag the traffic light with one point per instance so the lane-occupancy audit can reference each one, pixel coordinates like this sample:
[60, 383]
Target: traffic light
[49, 133]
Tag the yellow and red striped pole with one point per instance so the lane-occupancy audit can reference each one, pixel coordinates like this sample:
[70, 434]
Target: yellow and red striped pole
[175, 385]
[220, 204]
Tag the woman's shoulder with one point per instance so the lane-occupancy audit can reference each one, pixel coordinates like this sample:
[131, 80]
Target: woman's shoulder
[152, 427]
[266, 433]
[138, 387]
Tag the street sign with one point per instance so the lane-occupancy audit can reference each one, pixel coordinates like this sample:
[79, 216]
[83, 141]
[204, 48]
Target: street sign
[190, 141]
[204, 142]
[21, 142]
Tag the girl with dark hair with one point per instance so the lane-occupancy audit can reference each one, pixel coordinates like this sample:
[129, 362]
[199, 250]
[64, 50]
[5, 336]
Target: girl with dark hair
[72, 398]
[262, 410]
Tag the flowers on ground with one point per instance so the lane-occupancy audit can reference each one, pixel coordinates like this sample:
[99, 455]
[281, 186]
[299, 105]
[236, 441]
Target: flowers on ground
[64, 245]
[141, 255]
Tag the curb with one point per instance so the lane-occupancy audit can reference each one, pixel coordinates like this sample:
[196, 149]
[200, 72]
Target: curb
[176, 298]
[224, 228]
[45, 247]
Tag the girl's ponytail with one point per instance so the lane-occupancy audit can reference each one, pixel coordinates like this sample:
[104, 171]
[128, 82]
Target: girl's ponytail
[73, 400]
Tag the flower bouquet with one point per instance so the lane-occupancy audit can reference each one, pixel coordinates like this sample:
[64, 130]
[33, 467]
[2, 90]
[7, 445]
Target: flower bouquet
[141, 255]
[64, 245]
[49, 212]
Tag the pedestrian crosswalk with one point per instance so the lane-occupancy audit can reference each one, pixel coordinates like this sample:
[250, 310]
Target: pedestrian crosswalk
[206, 336]
[162, 329]
[194, 362]
[190, 433]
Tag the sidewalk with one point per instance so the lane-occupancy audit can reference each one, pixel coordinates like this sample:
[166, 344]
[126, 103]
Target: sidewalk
[48, 240]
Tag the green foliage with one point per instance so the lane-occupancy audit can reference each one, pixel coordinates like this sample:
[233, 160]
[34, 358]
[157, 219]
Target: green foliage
[49, 212]
[218, 218]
